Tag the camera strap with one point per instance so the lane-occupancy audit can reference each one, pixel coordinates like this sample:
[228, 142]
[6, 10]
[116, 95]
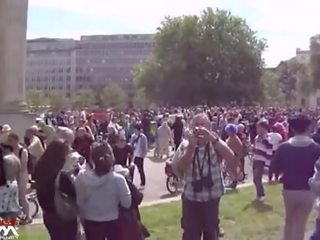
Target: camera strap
[196, 164]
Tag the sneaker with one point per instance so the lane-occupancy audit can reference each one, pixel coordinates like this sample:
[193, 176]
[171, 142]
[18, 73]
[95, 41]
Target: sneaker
[232, 185]
[25, 221]
[261, 199]
[221, 232]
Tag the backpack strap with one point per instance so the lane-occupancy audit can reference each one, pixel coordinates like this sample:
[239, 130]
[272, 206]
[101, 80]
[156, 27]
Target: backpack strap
[57, 182]
[20, 152]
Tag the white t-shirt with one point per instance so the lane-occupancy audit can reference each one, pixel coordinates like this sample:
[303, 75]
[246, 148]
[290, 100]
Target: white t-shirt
[275, 139]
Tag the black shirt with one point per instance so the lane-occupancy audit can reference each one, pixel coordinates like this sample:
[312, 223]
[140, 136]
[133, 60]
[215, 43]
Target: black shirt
[121, 155]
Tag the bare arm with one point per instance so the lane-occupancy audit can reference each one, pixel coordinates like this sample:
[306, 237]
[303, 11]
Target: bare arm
[227, 154]
[24, 161]
[187, 158]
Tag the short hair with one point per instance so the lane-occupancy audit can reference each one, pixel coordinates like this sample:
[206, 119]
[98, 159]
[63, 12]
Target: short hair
[300, 123]
[138, 127]
[264, 123]
[14, 136]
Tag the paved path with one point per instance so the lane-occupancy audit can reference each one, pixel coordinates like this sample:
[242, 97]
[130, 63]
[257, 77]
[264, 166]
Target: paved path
[155, 190]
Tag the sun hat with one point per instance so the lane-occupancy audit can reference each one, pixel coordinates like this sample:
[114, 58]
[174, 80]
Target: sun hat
[6, 128]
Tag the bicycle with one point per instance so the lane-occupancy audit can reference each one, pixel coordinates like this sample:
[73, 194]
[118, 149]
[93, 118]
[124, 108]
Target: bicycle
[173, 182]
[34, 206]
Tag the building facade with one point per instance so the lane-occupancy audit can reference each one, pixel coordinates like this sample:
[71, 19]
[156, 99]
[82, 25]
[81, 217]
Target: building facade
[68, 65]
[299, 69]
[51, 65]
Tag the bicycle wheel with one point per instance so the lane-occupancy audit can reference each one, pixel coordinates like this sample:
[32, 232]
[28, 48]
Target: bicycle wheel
[34, 207]
[172, 184]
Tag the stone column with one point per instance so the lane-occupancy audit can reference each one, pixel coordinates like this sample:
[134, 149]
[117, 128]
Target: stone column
[13, 27]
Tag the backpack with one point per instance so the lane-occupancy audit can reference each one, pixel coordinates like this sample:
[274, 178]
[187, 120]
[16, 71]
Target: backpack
[66, 207]
[30, 161]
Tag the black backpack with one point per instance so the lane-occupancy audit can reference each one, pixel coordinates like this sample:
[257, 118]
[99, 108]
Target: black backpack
[30, 162]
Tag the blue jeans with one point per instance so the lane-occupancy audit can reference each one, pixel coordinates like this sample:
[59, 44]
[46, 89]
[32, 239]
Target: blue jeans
[258, 169]
[316, 233]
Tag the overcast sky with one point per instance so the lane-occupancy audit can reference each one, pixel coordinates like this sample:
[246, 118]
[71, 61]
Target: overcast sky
[285, 24]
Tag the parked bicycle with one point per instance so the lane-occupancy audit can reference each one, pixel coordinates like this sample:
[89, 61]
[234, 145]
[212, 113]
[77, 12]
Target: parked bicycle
[33, 204]
[173, 182]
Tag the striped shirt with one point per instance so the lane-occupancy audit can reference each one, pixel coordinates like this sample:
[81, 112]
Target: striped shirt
[263, 149]
[216, 191]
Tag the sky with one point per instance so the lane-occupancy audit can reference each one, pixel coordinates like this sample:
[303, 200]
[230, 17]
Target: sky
[285, 24]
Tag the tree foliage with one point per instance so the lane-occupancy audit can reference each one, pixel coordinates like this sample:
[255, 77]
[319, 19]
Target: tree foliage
[57, 100]
[84, 98]
[272, 88]
[37, 99]
[140, 99]
[113, 96]
[212, 58]
[315, 60]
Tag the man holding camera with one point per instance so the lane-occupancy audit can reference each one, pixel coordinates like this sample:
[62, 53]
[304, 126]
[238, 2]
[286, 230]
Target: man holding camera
[197, 162]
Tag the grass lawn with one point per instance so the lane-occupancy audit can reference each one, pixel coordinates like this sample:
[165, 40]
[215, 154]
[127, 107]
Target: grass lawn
[241, 218]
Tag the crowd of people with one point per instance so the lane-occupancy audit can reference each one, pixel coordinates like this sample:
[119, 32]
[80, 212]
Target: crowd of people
[83, 168]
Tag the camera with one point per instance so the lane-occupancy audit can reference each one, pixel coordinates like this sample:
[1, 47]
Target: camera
[204, 182]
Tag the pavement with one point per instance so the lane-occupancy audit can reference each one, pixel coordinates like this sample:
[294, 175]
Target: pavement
[155, 191]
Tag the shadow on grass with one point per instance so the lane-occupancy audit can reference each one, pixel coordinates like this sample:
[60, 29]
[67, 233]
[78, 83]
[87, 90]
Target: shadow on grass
[259, 206]
[231, 191]
[170, 195]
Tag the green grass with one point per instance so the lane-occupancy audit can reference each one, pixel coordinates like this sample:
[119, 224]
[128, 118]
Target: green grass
[241, 218]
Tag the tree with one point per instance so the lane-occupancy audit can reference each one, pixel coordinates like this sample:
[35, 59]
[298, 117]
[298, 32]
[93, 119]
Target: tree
[84, 98]
[58, 100]
[113, 96]
[315, 60]
[214, 58]
[140, 99]
[272, 88]
[36, 99]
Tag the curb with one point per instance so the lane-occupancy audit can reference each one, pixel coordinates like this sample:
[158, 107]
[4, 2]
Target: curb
[156, 202]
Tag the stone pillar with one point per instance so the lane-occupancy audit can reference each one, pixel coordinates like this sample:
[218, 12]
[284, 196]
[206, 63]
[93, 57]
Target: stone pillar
[13, 27]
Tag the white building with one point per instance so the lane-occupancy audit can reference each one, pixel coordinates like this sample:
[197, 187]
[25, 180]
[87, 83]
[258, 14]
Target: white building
[51, 65]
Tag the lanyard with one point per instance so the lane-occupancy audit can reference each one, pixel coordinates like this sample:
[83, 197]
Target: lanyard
[196, 161]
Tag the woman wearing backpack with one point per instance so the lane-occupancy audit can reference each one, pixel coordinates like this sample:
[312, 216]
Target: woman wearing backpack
[46, 171]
